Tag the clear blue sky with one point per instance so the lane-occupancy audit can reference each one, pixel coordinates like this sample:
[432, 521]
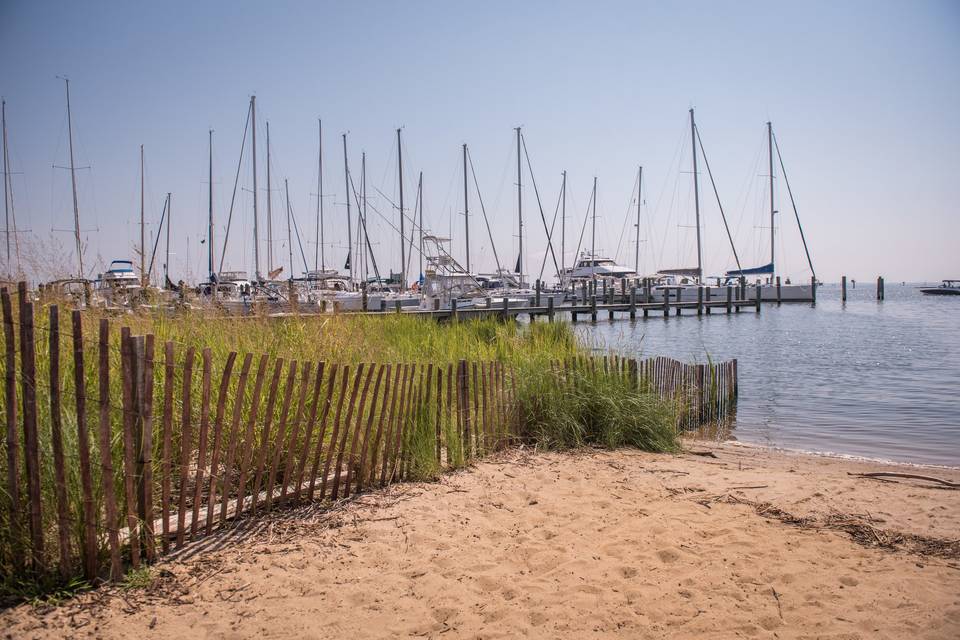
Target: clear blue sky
[863, 96]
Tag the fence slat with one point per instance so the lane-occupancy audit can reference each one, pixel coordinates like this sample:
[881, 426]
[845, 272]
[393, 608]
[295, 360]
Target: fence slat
[439, 416]
[205, 383]
[281, 432]
[367, 471]
[56, 443]
[346, 427]
[106, 454]
[475, 408]
[248, 442]
[308, 431]
[215, 475]
[288, 468]
[328, 462]
[398, 372]
[264, 446]
[10, 410]
[353, 461]
[322, 430]
[166, 436]
[451, 426]
[146, 450]
[31, 446]
[129, 465]
[186, 443]
[89, 546]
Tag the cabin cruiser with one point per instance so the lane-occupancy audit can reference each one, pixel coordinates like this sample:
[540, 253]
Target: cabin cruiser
[118, 285]
[946, 288]
[589, 265]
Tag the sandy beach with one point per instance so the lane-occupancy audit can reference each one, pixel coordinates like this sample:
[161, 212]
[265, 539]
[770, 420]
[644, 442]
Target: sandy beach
[739, 542]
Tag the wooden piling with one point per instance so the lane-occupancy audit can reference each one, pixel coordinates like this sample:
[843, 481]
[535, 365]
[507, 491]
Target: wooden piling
[843, 289]
[778, 291]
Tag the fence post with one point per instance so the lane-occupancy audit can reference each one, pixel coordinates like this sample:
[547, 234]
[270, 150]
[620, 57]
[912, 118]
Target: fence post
[127, 377]
[56, 442]
[89, 546]
[106, 457]
[31, 447]
[10, 410]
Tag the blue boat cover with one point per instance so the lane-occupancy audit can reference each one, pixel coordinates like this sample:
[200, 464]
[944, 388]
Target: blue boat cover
[767, 268]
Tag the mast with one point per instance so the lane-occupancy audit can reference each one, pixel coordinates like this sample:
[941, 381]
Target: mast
[593, 237]
[269, 208]
[319, 249]
[563, 227]
[420, 204]
[639, 191]
[363, 213]
[210, 208]
[143, 245]
[772, 210]
[403, 235]
[166, 262]
[73, 182]
[520, 206]
[696, 194]
[346, 178]
[7, 191]
[256, 230]
[286, 189]
[466, 205]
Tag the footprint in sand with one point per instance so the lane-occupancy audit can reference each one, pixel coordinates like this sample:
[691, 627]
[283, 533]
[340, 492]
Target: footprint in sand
[668, 555]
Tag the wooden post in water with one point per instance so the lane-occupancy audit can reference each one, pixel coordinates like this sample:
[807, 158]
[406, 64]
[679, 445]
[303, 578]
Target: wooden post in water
[536, 296]
[454, 316]
[593, 307]
[729, 298]
[843, 289]
[778, 291]
[666, 302]
[706, 295]
[699, 301]
[758, 297]
[550, 308]
[880, 292]
[813, 289]
[633, 302]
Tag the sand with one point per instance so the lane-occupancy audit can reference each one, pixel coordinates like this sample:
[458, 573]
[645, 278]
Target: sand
[750, 543]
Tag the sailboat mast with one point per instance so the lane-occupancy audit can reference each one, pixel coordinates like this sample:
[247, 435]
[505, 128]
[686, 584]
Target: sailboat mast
[593, 236]
[143, 245]
[563, 226]
[269, 208]
[346, 178]
[318, 252]
[73, 182]
[420, 204]
[403, 236]
[466, 205]
[256, 230]
[639, 192]
[520, 206]
[166, 262]
[286, 189]
[362, 231]
[772, 210]
[696, 194]
[209, 207]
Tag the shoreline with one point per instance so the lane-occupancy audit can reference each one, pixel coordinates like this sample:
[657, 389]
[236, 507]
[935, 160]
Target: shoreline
[836, 455]
[738, 541]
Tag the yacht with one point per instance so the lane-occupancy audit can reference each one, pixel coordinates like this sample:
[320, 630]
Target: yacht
[946, 288]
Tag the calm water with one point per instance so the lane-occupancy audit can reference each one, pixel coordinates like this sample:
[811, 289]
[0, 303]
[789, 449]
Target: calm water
[880, 380]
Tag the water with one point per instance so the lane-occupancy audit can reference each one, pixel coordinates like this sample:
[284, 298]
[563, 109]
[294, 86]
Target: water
[879, 380]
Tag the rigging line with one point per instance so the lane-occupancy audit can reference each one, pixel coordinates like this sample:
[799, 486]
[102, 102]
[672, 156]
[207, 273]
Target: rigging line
[717, 194]
[626, 220]
[385, 219]
[157, 241]
[794, 205]
[536, 192]
[416, 209]
[395, 206]
[236, 181]
[483, 210]
[556, 210]
[366, 236]
[296, 229]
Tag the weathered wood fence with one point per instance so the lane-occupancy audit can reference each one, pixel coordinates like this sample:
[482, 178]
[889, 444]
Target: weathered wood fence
[151, 447]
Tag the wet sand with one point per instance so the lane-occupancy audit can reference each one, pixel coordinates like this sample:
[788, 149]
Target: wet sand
[743, 542]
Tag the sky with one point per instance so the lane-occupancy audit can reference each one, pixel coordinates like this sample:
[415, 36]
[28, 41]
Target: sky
[863, 97]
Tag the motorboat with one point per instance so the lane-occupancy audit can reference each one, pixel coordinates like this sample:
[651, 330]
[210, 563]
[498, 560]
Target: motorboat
[946, 288]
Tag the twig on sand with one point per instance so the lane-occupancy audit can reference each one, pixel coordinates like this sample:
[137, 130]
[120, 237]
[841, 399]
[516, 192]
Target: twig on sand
[705, 454]
[752, 486]
[912, 476]
[777, 597]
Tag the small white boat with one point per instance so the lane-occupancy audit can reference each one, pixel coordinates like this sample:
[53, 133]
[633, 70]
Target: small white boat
[946, 288]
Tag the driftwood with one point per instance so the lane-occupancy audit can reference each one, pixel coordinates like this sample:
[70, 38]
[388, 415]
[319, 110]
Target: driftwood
[890, 474]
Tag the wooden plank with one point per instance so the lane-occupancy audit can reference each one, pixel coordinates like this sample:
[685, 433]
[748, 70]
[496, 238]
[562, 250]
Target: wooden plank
[169, 377]
[322, 431]
[439, 415]
[265, 433]
[463, 410]
[308, 432]
[215, 475]
[106, 455]
[31, 446]
[205, 383]
[246, 455]
[89, 547]
[392, 445]
[186, 443]
[485, 395]
[416, 399]
[146, 446]
[475, 408]
[368, 471]
[56, 443]
[388, 436]
[289, 470]
[129, 465]
[404, 418]
[10, 418]
[281, 432]
[356, 459]
[451, 383]
[334, 436]
[341, 449]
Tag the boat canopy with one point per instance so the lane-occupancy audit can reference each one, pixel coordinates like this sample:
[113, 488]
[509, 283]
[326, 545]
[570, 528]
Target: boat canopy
[755, 271]
[683, 271]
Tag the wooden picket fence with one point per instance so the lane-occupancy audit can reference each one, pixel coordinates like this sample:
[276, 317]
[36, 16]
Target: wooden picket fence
[139, 464]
